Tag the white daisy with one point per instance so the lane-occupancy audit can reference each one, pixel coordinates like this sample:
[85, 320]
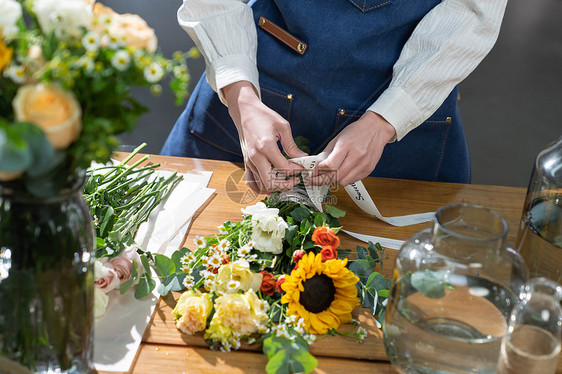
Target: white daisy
[252, 258]
[361, 334]
[224, 245]
[243, 251]
[215, 261]
[112, 41]
[186, 268]
[251, 244]
[310, 338]
[121, 60]
[185, 260]
[105, 20]
[200, 241]
[273, 263]
[233, 285]
[153, 73]
[222, 230]
[91, 41]
[15, 73]
[86, 63]
[209, 285]
[188, 282]
[180, 71]
[205, 261]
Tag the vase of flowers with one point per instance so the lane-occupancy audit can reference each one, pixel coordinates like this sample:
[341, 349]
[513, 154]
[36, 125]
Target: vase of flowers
[66, 73]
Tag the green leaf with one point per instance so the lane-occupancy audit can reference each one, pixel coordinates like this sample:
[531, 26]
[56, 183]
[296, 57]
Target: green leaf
[15, 153]
[106, 218]
[274, 344]
[377, 281]
[146, 285]
[302, 361]
[361, 253]
[278, 363]
[383, 293]
[429, 283]
[173, 282]
[334, 212]
[300, 214]
[163, 265]
[318, 219]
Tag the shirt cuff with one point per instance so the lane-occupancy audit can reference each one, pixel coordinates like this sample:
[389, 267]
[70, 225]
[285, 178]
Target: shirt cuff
[233, 68]
[398, 108]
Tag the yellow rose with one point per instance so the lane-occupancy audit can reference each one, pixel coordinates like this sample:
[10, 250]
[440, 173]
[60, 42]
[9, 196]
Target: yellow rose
[237, 276]
[5, 55]
[52, 109]
[242, 313]
[192, 311]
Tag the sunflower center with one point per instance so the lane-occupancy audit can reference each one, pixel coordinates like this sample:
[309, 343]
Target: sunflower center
[319, 292]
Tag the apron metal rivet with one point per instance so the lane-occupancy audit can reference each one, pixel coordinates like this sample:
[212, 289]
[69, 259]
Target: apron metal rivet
[300, 47]
[290, 97]
[261, 21]
[341, 112]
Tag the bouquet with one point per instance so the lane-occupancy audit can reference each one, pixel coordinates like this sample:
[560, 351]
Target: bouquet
[278, 277]
[66, 73]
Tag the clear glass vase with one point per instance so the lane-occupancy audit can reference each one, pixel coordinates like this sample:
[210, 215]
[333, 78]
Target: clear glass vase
[540, 235]
[453, 288]
[46, 282]
[532, 344]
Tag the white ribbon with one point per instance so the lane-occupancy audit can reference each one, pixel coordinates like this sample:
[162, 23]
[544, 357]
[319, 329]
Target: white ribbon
[357, 192]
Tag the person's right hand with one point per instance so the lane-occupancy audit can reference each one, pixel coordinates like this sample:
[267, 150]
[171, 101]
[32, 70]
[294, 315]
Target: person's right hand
[259, 129]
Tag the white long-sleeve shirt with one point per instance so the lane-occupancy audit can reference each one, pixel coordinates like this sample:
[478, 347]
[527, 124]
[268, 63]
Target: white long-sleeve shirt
[446, 46]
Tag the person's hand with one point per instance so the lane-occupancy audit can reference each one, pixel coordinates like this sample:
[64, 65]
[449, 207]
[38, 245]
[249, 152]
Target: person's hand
[355, 151]
[259, 129]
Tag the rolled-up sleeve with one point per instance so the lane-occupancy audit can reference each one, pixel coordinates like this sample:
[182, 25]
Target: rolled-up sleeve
[446, 46]
[225, 34]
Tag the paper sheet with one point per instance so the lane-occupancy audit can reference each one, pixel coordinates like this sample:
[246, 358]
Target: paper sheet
[118, 334]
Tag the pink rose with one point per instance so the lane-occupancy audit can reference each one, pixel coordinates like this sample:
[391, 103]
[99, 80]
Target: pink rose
[122, 267]
[105, 277]
[130, 253]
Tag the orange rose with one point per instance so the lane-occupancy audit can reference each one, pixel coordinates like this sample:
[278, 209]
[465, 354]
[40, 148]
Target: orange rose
[268, 283]
[280, 281]
[325, 236]
[328, 253]
[53, 110]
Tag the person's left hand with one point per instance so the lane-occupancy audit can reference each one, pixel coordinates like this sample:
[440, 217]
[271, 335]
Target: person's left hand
[355, 151]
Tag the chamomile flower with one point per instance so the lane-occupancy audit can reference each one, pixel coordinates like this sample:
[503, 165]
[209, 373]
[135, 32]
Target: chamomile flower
[252, 258]
[226, 347]
[222, 230]
[361, 334]
[205, 260]
[91, 41]
[273, 263]
[153, 73]
[180, 70]
[251, 244]
[185, 260]
[224, 245]
[15, 73]
[209, 284]
[215, 261]
[121, 60]
[86, 63]
[244, 251]
[188, 282]
[200, 241]
[105, 21]
[310, 338]
[282, 332]
[263, 329]
[233, 285]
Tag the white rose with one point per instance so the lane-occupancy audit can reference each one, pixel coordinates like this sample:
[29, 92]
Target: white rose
[268, 232]
[100, 302]
[259, 208]
[10, 12]
[65, 18]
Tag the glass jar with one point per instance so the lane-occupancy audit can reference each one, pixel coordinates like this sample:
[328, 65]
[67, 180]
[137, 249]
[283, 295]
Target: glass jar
[532, 344]
[540, 236]
[453, 288]
[46, 282]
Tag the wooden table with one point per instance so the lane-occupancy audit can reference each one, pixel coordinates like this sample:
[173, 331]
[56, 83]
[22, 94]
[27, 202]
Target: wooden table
[165, 349]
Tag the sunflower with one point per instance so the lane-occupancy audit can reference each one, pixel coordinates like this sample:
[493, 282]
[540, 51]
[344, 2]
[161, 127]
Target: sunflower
[322, 293]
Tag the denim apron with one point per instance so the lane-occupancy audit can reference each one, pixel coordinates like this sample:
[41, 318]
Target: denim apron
[352, 47]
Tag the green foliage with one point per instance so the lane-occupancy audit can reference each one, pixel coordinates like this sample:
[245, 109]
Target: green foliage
[286, 356]
[430, 283]
[372, 288]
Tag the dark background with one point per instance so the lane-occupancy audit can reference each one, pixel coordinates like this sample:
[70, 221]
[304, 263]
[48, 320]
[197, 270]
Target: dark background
[511, 104]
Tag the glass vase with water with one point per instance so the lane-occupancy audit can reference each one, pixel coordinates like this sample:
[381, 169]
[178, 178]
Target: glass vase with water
[453, 288]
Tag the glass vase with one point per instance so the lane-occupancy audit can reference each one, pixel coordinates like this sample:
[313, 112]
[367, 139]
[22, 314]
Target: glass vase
[46, 282]
[453, 288]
